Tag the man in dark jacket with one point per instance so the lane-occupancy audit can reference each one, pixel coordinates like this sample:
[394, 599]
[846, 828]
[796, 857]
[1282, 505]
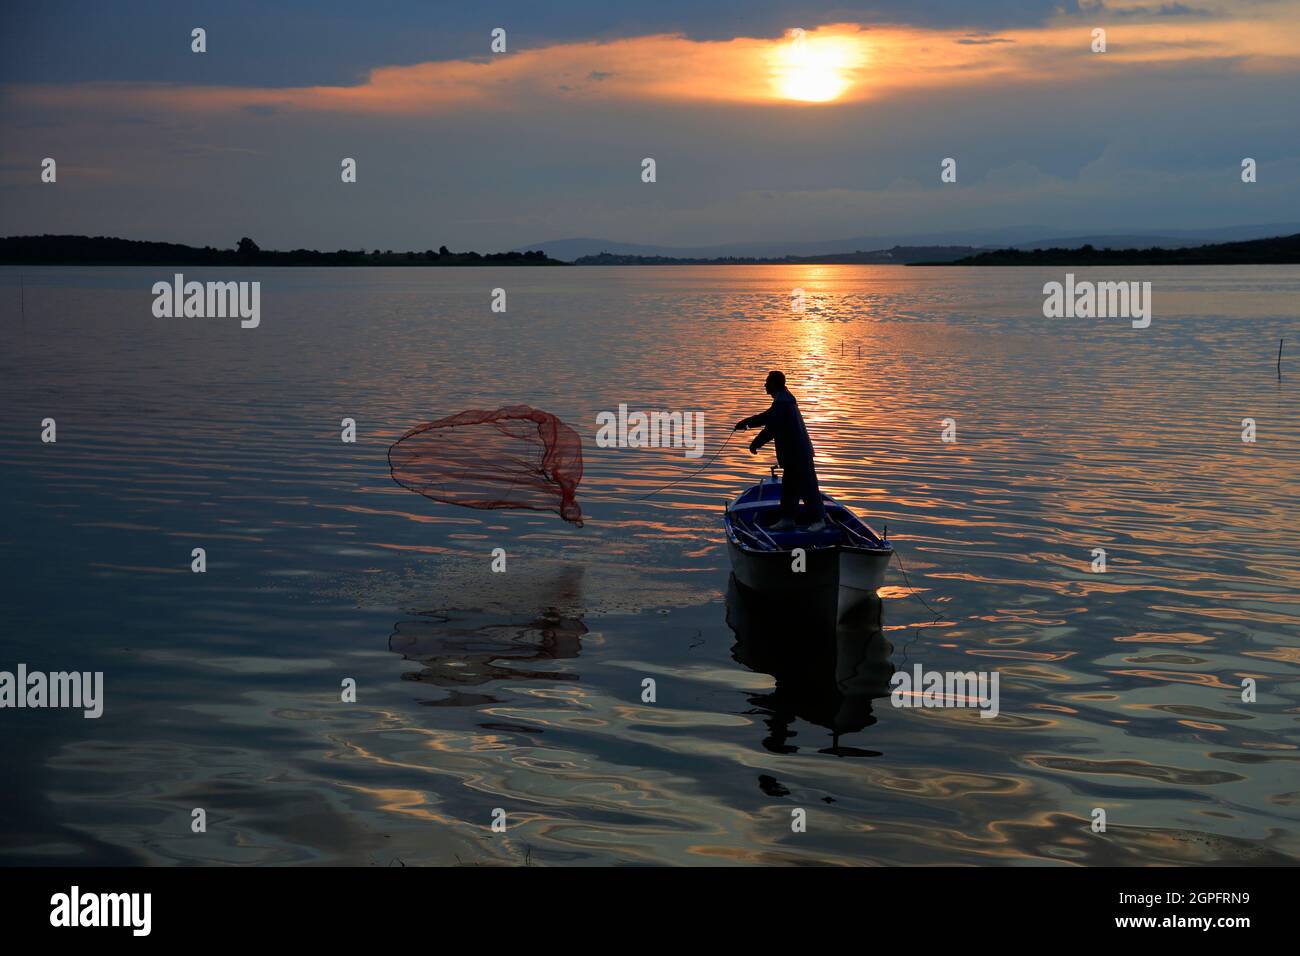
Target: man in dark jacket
[783, 424]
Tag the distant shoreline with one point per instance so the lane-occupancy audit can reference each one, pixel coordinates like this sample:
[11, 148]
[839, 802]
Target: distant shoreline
[895, 256]
[106, 251]
[1280, 250]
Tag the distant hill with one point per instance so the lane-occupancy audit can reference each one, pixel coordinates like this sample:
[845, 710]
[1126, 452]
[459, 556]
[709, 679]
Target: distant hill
[899, 255]
[999, 237]
[1279, 250]
[571, 250]
[105, 251]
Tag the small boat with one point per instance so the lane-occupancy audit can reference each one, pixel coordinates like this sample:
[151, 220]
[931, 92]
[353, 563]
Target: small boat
[845, 559]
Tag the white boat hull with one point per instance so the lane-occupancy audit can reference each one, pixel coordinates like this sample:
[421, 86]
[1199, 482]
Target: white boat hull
[849, 576]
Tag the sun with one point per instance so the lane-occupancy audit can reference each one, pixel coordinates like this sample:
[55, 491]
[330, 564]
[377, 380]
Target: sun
[814, 69]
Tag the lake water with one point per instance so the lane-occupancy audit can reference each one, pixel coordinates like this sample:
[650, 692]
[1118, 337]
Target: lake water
[522, 691]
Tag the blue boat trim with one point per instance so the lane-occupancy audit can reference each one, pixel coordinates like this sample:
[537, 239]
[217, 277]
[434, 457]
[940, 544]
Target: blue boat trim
[749, 518]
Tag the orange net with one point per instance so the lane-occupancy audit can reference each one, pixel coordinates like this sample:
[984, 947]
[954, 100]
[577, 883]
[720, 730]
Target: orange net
[514, 457]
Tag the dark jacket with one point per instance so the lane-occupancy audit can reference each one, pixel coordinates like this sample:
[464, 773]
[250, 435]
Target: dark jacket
[783, 424]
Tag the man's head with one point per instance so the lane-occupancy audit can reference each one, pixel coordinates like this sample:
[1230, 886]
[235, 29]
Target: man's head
[775, 382]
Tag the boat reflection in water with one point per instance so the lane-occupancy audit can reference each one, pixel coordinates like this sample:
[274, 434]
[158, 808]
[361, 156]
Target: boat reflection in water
[826, 673]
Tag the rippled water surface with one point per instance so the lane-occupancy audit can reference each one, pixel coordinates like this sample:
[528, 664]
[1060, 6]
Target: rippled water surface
[523, 691]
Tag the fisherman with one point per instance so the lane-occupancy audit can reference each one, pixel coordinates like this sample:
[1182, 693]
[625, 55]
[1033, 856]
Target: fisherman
[783, 424]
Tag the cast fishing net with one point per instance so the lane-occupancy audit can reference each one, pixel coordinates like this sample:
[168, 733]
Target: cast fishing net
[514, 457]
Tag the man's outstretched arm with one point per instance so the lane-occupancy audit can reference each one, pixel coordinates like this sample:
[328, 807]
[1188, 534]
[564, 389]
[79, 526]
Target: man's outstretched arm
[756, 421]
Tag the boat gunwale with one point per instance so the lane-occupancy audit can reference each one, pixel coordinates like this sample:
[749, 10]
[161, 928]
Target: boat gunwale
[736, 505]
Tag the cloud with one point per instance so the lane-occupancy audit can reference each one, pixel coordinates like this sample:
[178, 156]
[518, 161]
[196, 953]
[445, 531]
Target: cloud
[320, 42]
[1141, 11]
[868, 62]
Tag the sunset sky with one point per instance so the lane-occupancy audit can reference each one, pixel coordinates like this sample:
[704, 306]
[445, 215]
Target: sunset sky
[768, 120]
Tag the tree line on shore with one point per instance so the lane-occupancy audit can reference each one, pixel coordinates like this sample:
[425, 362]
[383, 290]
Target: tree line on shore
[104, 250]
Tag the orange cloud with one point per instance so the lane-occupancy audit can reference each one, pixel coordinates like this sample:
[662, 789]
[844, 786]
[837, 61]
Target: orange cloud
[832, 64]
